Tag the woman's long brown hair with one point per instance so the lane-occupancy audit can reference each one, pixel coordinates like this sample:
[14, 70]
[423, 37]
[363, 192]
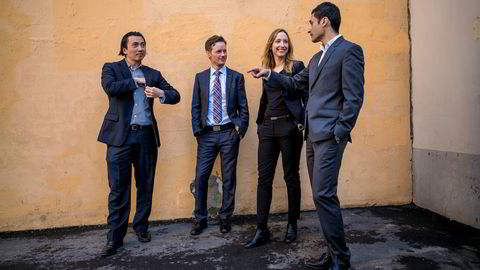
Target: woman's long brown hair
[268, 60]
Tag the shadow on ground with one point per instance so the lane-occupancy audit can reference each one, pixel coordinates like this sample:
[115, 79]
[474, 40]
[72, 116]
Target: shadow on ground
[404, 237]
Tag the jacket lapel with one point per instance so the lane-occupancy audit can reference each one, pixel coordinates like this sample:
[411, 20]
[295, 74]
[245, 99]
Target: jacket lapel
[148, 75]
[124, 69]
[327, 55]
[205, 88]
[228, 85]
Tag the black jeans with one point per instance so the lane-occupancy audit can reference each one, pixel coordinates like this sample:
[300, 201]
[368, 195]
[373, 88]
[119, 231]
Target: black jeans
[139, 150]
[274, 137]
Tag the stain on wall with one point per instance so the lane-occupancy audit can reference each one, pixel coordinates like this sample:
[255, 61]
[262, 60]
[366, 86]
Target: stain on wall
[476, 29]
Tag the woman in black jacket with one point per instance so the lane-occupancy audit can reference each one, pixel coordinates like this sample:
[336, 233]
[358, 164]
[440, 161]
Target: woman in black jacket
[280, 125]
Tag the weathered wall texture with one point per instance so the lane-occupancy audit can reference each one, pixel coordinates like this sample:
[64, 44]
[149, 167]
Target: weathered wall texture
[446, 107]
[52, 169]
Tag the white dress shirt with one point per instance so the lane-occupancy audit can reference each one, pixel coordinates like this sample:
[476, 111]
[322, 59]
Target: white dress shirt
[324, 48]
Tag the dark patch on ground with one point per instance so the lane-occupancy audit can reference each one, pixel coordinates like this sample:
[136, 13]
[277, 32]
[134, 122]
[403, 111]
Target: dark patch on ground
[413, 262]
[421, 227]
[362, 237]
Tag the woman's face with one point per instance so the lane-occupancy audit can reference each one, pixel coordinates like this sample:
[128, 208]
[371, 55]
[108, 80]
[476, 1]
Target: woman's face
[280, 45]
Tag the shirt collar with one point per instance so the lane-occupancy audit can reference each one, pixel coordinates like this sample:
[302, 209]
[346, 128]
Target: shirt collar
[131, 66]
[222, 70]
[329, 43]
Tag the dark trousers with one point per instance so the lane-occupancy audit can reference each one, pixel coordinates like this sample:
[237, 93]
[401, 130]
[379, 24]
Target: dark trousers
[274, 137]
[210, 143]
[310, 156]
[140, 151]
[327, 161]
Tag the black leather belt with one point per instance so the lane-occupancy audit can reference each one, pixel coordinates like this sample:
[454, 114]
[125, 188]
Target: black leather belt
[220, 127]
[139, 127]
[273, 118]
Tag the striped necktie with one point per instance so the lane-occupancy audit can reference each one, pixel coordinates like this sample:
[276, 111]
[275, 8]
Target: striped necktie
[217, 98]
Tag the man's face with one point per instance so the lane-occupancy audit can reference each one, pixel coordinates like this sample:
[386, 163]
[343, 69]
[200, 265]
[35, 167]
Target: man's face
[317, 28]
[136, 49]
[218, 54]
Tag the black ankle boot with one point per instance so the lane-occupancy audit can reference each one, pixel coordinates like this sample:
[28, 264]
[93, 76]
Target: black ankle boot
[262, 236]
[291, 234]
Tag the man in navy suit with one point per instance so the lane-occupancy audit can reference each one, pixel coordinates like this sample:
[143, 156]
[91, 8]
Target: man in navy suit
[335, 80]
[219, 122]
[130, 131]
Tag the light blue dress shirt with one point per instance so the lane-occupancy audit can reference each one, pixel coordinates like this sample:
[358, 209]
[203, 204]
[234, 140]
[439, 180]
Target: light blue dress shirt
[223, 83]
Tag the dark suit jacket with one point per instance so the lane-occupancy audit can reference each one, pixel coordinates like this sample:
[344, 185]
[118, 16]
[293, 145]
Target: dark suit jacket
[295, 102]
[335, 90]
[118, 84]
[237, 105]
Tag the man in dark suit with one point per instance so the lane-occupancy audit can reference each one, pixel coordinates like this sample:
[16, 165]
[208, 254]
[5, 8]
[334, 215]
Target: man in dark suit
[335, 79]
[131, 134]
[219, 121]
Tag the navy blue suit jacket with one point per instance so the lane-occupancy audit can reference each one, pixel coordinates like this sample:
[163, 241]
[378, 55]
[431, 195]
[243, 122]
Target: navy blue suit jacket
[118, 84]
[237, 105]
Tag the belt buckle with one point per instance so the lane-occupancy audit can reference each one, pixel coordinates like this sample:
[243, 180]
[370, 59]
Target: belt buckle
[134, 127]
[217, 128]
[273, 118]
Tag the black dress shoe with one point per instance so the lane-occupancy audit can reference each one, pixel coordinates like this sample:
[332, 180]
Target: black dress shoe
[325, 262]
[225, 226]
[261, 238]
[291, 234]
[110, 248]
[198, 227]
[144, 237]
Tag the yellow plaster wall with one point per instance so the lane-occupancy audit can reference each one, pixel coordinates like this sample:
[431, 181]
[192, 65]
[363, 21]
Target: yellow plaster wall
[52, 169]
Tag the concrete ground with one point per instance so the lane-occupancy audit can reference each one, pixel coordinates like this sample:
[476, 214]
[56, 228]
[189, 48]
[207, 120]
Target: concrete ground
[403, 237]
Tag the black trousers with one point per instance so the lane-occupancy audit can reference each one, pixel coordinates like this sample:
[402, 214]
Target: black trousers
[139, 150]
[326, 166]
[210, 143]
[275, 137]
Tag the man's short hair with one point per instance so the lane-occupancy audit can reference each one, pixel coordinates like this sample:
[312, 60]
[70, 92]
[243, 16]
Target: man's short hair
[212, 40]
[331, 11]
[124, 42]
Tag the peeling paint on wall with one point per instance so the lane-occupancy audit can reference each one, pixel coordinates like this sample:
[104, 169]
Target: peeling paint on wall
[214, 197]
[476, 29]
